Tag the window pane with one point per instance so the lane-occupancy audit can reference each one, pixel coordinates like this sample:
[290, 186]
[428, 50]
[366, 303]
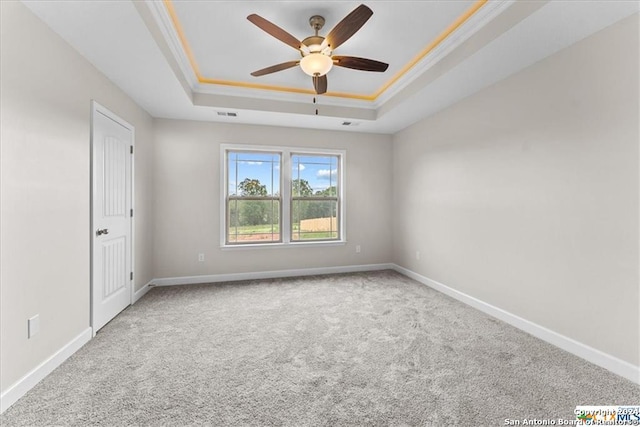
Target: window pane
[314, 175]
[253, 221]
[314, 220]
[253, 174]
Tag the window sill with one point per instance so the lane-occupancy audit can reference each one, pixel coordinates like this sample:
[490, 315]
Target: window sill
[283, 245]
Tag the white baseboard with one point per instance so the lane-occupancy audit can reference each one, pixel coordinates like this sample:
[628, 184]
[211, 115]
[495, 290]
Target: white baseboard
[590, 354]
[192, 280]
[26, 383]
[141, 292]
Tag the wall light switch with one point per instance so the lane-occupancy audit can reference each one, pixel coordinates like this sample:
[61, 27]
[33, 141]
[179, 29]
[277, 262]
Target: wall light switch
[201, 257]
[33, 326]
[357, 249]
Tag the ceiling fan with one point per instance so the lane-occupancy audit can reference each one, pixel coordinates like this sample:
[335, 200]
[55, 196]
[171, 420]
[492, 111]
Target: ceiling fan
[317, 51]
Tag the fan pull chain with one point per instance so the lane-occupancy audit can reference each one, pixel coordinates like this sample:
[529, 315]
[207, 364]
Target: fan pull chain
[314, 101]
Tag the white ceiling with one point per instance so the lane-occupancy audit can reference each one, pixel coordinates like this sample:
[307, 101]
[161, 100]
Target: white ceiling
[139, 46]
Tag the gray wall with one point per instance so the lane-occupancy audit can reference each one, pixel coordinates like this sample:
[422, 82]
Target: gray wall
[525, 195]
[187, 199]
[46, 92]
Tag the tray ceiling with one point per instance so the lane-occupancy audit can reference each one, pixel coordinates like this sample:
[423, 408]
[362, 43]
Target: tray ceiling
[223, 47]
[192, 59]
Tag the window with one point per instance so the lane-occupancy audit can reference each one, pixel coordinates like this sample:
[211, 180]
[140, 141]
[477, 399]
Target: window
[281, 196]
[254, 197]
[314, 197]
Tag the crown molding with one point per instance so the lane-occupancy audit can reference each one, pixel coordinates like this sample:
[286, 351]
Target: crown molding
[466, 30]
[171, 37]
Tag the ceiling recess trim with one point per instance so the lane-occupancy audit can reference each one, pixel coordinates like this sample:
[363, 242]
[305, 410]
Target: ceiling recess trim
[168, 4]
[431, 46]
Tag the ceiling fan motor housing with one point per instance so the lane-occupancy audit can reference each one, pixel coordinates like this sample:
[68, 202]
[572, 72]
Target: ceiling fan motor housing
[313, 43]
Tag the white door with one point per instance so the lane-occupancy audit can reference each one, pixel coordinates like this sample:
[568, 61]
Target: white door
[112, 149]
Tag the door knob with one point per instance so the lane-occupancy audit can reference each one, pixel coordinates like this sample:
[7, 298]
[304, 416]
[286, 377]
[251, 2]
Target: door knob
[103, 231]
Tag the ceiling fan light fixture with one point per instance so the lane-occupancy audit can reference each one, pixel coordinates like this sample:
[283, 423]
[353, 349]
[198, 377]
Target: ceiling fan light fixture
[316, 64]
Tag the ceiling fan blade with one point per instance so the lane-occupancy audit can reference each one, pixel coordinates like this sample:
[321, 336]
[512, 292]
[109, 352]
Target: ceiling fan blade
[274, 68]
[348, 26]
[363, 64]
[320, 84]
[275, 31]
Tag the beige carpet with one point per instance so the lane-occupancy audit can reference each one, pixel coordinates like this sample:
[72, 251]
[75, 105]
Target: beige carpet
[346, 350]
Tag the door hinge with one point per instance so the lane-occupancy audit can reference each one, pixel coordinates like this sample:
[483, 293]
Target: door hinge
[131, 276]
[132, 149]
[131, 212]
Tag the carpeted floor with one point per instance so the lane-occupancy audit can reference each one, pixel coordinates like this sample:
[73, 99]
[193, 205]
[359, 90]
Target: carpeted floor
[345, 350]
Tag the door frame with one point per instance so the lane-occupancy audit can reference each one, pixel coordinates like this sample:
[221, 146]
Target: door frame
[97, 108]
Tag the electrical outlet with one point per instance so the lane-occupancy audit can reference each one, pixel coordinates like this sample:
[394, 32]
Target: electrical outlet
[418, 255]
[201, 257]
[357, 249]
[33, 326]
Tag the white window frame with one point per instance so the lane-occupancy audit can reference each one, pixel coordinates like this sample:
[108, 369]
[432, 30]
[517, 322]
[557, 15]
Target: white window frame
[285, 188]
